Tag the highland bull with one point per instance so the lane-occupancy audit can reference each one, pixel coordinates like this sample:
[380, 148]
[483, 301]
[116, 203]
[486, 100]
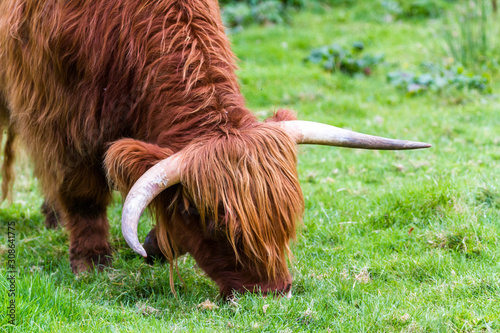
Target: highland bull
[142, 96]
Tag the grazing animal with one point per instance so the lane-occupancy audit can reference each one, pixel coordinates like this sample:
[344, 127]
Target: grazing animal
[142, 96]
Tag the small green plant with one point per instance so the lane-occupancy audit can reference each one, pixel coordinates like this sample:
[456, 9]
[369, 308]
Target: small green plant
[472, 35]
[338, 2]
[438, 78]
[349, 61]
[415, 8]
[237, 15]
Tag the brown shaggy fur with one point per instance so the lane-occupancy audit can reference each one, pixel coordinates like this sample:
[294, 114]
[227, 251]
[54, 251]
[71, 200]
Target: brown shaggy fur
[7, 165]
[246, 182]
[8, 152]
[155, 77]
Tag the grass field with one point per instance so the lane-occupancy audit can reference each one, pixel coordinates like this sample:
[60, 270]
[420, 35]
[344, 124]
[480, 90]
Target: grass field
[391, 241]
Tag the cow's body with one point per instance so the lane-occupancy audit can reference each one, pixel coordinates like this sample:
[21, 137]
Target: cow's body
[120, 91]
[79, 75]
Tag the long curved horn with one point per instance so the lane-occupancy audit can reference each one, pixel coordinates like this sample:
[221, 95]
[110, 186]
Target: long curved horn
[162, 175]
[308, 132]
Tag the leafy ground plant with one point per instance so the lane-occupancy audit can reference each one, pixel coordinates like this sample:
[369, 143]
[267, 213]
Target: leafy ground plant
[237, 15]
[439, 78]
[349, 61]
[401, 9]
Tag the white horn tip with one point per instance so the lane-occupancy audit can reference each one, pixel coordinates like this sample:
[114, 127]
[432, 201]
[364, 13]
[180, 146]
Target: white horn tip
[140, 250]
[417, 145]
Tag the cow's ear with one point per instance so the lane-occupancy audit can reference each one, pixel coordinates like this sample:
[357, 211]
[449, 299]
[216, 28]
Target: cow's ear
[282, 115]
[127, 160]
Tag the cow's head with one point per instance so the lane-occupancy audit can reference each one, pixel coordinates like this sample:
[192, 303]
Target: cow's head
[232, 198]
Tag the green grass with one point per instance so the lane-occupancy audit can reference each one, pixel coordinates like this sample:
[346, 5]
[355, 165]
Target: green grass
[391, 241]
[472, 34]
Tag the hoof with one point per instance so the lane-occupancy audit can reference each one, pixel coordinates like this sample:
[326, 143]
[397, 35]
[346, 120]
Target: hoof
[81, 265]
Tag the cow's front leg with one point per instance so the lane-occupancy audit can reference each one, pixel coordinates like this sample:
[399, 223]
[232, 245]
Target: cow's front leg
[51, 213]
[83, 201]
[88, 242]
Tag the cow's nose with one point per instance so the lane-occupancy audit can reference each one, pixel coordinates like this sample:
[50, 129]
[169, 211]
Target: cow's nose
[288, 290]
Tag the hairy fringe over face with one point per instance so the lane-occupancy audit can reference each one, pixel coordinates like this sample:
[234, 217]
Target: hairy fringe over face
[164, 230]
[246, 181]
[125, 161]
